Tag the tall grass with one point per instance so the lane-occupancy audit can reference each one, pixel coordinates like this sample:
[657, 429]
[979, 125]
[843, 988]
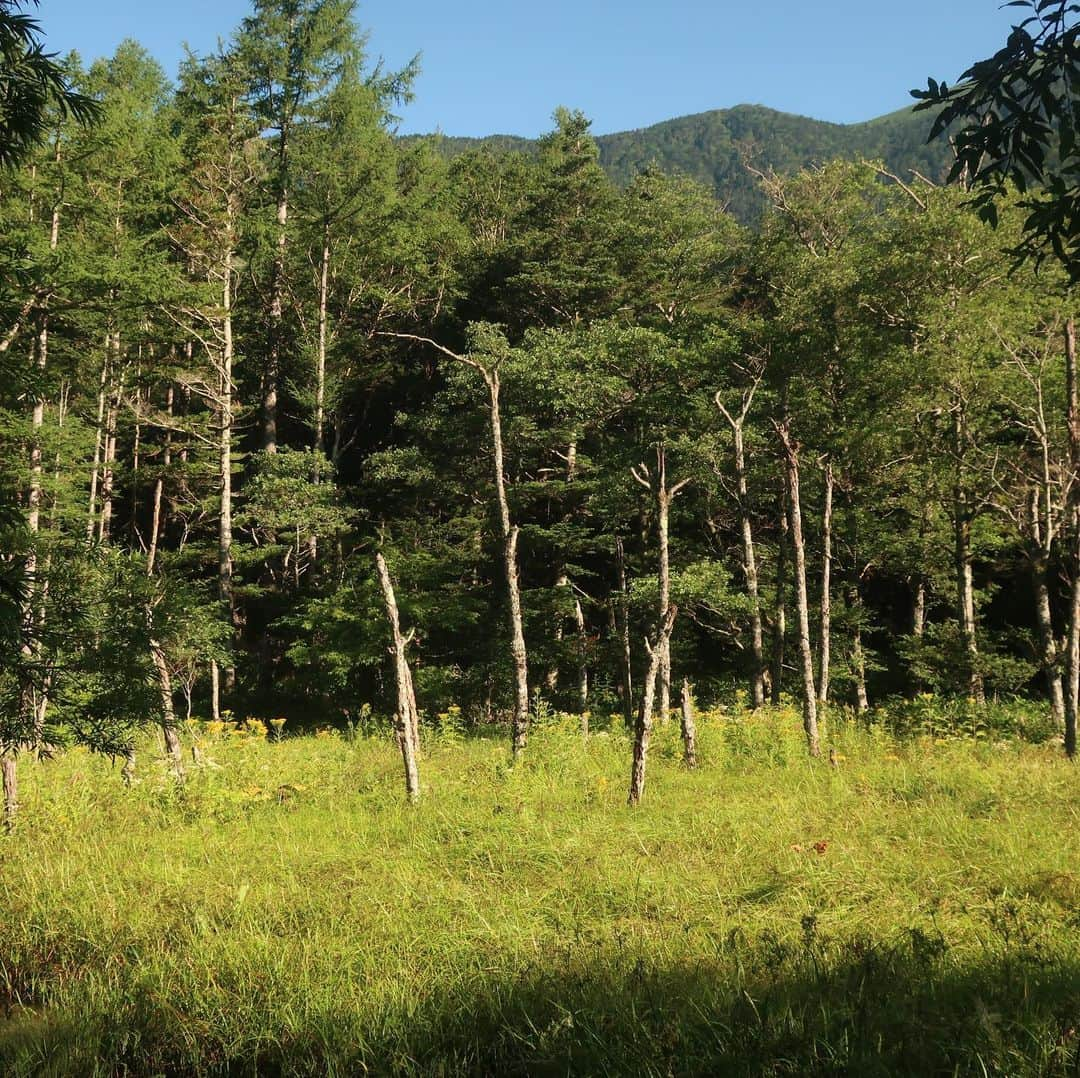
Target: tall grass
[915, 910]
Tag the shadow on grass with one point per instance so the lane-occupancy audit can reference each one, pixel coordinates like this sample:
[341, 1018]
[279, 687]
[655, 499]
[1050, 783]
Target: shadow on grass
[773, 1008]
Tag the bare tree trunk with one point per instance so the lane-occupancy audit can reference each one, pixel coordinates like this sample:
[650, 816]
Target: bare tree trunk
[757, 647]
[645, 715]
[215, 691]
[226, 595]
[518, 652]
[168, 715]
[320, 354]
[965, 588]
[159, 490]
[10, 774]
[780, 611]
[272, 367]
[1072, 647]
[99, 441]
[517, 648]
[663, 507]
[624, 635]
[802, 605]
[109, 455]
[826, 589]
[583, 658]
[664, 495]
[404, 725]
[689, 727]
[858, 658]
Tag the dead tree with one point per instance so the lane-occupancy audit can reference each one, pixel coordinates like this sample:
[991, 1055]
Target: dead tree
[737, 421]
[489, 371]
[645, 716]
[656, 482]
[406, 723]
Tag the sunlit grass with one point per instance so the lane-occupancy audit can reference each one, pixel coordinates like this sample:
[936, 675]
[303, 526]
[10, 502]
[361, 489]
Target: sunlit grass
[913, 910]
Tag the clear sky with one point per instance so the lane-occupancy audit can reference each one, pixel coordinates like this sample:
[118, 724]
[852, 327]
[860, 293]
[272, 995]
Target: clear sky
[490, 66]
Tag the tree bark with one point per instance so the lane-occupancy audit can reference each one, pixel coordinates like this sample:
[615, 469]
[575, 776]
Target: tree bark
[643, 731]
[780, 609]
[1072, 647]
[826, 589]
[802, 605]
[405, 725]
[962, 562]
[10, 778]
[272, 367]
[320, 353]
[689, 727]
[519, 655]
[168, 714]
[624, 635]
[749, 558]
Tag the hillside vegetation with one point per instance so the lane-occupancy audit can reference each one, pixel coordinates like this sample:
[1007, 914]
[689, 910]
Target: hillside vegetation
[713, 147]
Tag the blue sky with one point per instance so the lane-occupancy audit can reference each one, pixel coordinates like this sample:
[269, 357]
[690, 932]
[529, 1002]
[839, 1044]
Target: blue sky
[491, 66]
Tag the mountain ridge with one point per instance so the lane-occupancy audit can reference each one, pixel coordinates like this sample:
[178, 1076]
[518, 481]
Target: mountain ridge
[710, 146]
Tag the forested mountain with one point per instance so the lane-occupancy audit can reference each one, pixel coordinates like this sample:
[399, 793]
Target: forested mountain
[713, 147]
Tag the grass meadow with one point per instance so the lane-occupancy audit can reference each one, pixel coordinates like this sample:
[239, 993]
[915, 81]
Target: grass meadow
[913, 910]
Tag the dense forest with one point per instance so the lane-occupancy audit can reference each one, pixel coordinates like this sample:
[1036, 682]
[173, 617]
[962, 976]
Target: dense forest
[272, 373]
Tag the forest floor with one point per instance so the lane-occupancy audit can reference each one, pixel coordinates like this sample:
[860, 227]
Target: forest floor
[913, 910]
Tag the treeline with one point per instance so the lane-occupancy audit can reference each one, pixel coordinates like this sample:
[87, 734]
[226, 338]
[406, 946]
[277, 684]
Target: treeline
[250, 341]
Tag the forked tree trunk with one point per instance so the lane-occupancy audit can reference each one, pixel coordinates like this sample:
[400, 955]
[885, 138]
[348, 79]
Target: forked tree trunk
[689, 727]
[664, 495]
[802, 604]
[404, 725]
[645, 715]
[518, 652]
[858, 657]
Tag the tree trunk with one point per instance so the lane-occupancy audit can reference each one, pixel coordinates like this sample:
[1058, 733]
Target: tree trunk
[225, 435]
[802, 605]
[624, 635]
[99, 441]
[689, 727]
[320, 354]
[858, 658]
[645, 715]
[159, 490]
[272, 367]
[663, 508]
[405, 726]
[168, 715]
[965, 588]
[780, 610]
[1072, 648]
[757, 647]
[826, 589]
[519, 655]
[10, 775]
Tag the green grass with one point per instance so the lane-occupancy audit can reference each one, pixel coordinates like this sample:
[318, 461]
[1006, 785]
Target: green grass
[288, 913]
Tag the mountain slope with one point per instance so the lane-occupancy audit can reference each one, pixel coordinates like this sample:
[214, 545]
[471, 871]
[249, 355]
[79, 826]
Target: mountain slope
[710, 146]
